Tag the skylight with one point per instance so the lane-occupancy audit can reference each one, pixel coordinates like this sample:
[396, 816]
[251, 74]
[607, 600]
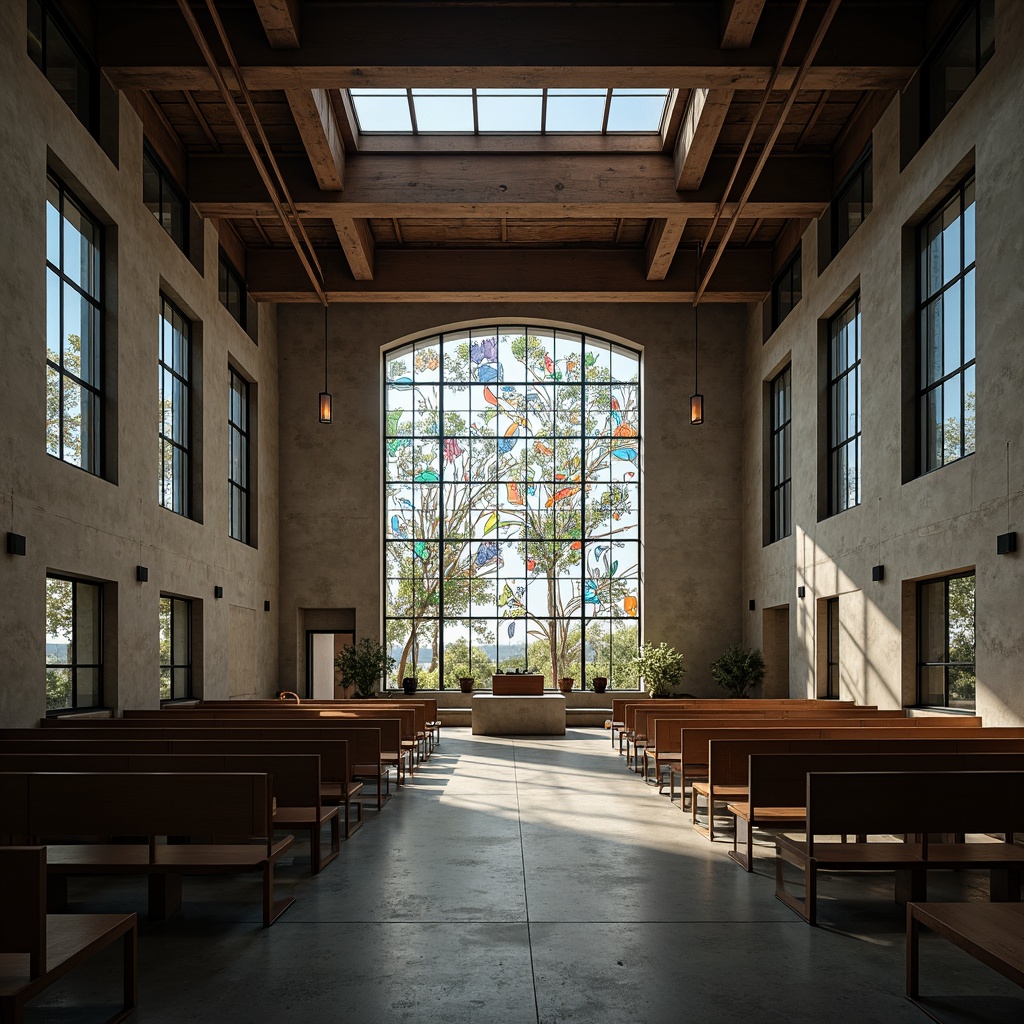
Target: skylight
[509, 111]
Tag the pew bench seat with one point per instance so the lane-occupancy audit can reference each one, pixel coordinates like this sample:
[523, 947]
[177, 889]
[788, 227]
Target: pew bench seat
[712, 795]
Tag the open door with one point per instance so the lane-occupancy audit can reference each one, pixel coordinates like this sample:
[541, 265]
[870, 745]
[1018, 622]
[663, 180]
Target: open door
[322, 647]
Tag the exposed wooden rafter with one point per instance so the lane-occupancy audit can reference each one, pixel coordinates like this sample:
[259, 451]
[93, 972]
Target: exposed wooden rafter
[698, 134]
[358, 245]
[280, 19]
[660, 248]
[315, 118]
[739, 21]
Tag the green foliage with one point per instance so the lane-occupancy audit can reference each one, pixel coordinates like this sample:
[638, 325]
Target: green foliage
[364, 664]
[660, 667]
[738, 670]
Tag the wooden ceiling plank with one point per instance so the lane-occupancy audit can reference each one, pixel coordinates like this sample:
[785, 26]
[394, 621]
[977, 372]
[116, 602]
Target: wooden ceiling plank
[754, 228]
[662, 242]
[509, 275]
[449, 185]
[739, 22]
[625, 44]
[358, 245]
[203, 123]
[318, 126]
[702, 123]
[280, 20]
[813, 119]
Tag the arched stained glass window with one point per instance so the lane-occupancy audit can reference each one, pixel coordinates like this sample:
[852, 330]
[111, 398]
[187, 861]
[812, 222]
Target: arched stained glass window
[512, 506]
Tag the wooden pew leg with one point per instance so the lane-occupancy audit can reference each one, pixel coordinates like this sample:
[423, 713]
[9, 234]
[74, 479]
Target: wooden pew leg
[1004, 885]
[744, 834]
[913, 954]
[807, 908]
[314, 849]
[272, 910]
[56, 894]
[131, 972]
[164, 895]
[911, 885]
[350, 825]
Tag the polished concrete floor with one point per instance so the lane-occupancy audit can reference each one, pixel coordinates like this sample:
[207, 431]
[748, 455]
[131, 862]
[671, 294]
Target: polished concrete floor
[524, 881]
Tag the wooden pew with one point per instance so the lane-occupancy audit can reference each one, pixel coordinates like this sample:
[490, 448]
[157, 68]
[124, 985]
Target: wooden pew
[298, 801]
[917, 804]
[235, 808]
[777, 783]
[37, 949]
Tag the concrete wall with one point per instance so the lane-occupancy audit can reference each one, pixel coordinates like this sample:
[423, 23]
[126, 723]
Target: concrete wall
[930, 525]
[331, 525]
[79, 524]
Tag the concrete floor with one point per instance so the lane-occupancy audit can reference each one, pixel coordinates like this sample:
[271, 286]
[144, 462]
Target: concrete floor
[524, 881]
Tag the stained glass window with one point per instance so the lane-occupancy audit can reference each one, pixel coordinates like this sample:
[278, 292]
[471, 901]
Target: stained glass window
[512, 524]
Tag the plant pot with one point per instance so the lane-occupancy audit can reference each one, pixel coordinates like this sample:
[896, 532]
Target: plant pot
[600, 684]
[466, 684]
[409, 684]
[565, 684]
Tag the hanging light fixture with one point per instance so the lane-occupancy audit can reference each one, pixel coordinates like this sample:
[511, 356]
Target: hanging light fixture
[696, 399]
[325, 395]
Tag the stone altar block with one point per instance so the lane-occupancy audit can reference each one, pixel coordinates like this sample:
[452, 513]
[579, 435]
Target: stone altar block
[495, 715]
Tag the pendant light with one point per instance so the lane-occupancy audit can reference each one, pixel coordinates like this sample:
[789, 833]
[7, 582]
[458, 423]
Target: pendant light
[325, 395]
[696, 399]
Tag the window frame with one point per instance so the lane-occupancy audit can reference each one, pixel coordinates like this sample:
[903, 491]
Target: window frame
[835, 379]
[51, 14]
[97, 459]
[75, 665]
[239, 433]
[186, 382]
[947, 664]
[167, 186]
[832, 648]
[186, 610]
[859, 178]
[780, 432]
[227, 269]
[779, 286]
[965, 368]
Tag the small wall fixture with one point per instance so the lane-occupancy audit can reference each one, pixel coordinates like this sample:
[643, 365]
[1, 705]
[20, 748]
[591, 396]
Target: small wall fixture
[266, 606]
[142, 574]
[218, 591]
[696, 399]
[751, 604]
[325, 395]
[800, 591]
[1006, 543]
[15, 544]
[878, 573]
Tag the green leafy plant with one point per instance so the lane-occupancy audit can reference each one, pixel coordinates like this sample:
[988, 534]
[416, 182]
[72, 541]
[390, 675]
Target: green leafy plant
[364, 665]
[738, 670]
[660, 667]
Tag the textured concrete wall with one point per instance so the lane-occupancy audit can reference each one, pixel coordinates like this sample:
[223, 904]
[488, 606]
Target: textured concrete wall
[331, 526]
[79, 524]
[944, 521]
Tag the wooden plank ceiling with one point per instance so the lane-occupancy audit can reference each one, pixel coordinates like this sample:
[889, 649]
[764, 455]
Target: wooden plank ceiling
[636, 204]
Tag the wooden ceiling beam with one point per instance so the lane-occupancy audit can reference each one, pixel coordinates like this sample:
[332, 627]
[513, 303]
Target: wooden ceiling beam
[620, 44]
[501, 275]
[321, 135]
[280, 19]
[358, 246]
[698, 134]
[660, 247]
[544, 187]
[739, 22]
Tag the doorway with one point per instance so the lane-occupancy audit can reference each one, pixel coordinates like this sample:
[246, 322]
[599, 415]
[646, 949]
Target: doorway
[322, 647]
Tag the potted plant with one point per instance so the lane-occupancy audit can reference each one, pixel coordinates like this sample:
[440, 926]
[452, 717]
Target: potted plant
[738, 670]
[364, 664]
[660, 668]
[466, 684]
[565, 683]
[409, 685]
[600, 684]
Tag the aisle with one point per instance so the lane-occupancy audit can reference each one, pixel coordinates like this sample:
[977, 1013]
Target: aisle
[523, 881]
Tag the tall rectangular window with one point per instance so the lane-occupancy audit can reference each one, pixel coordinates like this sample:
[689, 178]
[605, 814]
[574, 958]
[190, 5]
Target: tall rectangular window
[231, 289]
[957, 61]
[175, 365]
[74, 330]
[832, 655]
[74, 644]
[164, 199]
[175, 648]
[844, 417]
[787, 289]
[781, 524]
[946, 326]
[852, 203]
[238, 457]
[59, 55]
[945, 642]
